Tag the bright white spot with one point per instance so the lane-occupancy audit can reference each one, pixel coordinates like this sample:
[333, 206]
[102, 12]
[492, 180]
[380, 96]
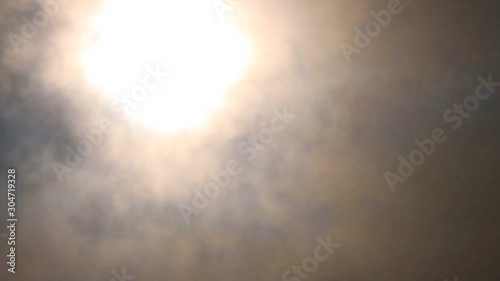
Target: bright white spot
[203, 55]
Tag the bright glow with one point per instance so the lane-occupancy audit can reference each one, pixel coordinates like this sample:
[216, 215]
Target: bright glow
[203, 54]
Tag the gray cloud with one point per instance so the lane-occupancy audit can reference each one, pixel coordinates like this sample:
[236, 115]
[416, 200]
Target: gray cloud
[321, 176]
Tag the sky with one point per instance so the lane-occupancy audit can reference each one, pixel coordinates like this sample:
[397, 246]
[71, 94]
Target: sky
[385, 145]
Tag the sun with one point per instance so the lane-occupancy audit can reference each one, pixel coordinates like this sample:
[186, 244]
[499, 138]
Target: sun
[203, 54]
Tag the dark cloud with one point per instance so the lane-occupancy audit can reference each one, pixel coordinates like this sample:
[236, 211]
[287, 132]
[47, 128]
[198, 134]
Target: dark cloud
[323, 175]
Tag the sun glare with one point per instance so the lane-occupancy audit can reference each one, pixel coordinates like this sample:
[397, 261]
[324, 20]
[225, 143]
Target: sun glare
[203, 54]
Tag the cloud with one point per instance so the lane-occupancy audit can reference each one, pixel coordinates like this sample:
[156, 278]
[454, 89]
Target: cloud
[321, 176]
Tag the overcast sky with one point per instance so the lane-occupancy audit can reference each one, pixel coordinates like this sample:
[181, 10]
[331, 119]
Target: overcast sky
[323, 175]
